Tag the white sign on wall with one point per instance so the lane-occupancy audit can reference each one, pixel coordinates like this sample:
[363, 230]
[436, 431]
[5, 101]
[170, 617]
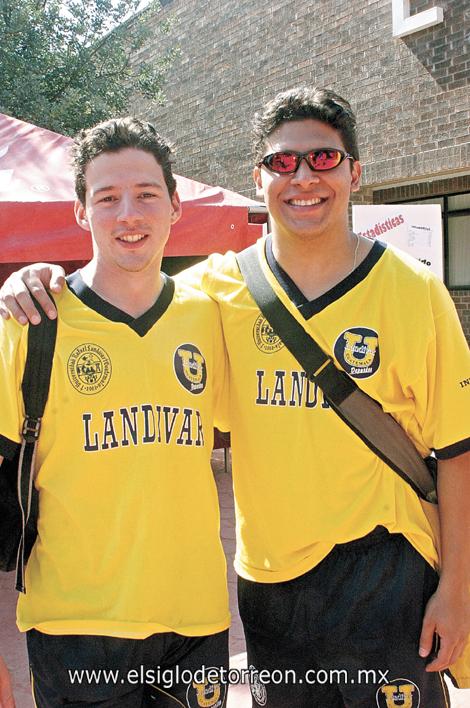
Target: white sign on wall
[416, 229]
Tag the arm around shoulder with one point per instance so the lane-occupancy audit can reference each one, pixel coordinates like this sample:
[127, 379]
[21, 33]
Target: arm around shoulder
[15, 294]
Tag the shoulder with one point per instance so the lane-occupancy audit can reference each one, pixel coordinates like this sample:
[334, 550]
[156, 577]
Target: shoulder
[189, 296]
[396, 259]
[12, 336]
[217, 276]
[414, 280]
[215, 264]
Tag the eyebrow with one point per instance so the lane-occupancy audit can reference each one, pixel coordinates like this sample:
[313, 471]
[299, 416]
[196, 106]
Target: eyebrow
[140, 185]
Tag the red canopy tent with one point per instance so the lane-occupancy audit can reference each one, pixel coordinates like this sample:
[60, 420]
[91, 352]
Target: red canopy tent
[37, 193]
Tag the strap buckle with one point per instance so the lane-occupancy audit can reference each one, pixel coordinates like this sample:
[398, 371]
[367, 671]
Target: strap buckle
[313, 376]
[31, 429]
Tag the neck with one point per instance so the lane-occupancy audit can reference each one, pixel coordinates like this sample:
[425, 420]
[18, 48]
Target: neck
[317, 265]
[131, 292]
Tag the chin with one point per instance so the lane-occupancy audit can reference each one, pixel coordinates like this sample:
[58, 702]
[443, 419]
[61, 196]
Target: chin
[306, 233]
[134, 267]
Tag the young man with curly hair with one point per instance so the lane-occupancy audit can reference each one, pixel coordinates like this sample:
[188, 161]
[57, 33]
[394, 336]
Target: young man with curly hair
[126, 583]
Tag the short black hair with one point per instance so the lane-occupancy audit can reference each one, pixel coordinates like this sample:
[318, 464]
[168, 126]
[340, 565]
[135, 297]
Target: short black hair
[301, 103]
[114, 135]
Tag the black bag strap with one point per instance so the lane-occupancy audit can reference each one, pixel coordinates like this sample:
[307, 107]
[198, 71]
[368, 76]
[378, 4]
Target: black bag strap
[35, 390]
[365, 416]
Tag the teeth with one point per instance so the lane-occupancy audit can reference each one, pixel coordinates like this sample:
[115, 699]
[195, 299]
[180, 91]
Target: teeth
[305, 202]
[132, 238]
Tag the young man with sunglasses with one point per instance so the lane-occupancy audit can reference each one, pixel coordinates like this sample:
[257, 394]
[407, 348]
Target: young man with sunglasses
[126, 598]
[335, 556]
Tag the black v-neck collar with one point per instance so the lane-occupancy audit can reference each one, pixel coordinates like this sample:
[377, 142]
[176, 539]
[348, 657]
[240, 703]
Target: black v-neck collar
[141, 324]
[308, 308]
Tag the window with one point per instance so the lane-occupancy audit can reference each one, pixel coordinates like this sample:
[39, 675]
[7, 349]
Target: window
[458, 271]
[456, 230]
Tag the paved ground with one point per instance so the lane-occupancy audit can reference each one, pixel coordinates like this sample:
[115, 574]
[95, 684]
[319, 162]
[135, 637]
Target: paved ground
[239, 696]
[12, 645]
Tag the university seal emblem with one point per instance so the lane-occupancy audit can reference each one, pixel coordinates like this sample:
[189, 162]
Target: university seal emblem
[265, 337]
[357, 350]
[257, 688]
[190, 368]
[399, 693]
[207, 694]
[89, 368]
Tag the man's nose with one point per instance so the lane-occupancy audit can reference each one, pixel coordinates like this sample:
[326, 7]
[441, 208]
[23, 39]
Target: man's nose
[128, 210]
[305, 174]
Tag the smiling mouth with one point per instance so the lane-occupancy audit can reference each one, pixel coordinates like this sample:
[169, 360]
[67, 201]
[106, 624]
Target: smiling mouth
[305, 202]
[132, 238]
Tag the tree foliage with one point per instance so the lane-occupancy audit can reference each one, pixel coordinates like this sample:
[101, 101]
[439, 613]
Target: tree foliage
[67, 64]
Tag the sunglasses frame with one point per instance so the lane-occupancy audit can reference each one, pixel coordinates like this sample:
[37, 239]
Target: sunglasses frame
[303, 156]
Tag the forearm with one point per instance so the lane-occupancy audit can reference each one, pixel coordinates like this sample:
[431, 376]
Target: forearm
[454, 503]
[448, 611]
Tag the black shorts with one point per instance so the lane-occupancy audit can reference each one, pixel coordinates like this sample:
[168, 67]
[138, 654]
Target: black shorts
[346, 633]
[165, 670]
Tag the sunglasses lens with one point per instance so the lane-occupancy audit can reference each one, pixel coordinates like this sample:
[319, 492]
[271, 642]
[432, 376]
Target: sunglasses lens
[283, 162]
[318, 160]
[325, 159]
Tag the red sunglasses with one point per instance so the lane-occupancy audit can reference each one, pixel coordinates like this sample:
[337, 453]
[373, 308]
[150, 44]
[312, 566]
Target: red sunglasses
[287, 162]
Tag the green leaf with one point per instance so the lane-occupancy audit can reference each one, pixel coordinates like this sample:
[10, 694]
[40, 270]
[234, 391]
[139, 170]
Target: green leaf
[67, 64]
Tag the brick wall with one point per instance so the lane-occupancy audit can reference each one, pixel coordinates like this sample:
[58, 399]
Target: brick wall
[462, 303]
[411, 95]
[421, 190]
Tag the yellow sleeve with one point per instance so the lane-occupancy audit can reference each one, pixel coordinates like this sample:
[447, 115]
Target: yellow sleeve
[199, 278]
[221, 379]
[210, 275]
[203, 277]
[194, 275]
[13, 341]
[443, 392]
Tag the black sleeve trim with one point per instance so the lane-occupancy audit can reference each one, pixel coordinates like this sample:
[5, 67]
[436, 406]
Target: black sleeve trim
[446, 453]
[8, 448]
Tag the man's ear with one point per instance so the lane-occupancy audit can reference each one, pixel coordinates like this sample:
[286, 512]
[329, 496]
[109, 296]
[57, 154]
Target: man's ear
[258, 182]
[176, 208]
[80, 215]
[356, 172]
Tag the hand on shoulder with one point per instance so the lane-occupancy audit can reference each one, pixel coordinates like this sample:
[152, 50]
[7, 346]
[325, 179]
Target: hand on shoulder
[15, 294]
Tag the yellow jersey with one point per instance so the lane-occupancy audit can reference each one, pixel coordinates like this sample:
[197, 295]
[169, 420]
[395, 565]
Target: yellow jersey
[303, 480]
[128, 531]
